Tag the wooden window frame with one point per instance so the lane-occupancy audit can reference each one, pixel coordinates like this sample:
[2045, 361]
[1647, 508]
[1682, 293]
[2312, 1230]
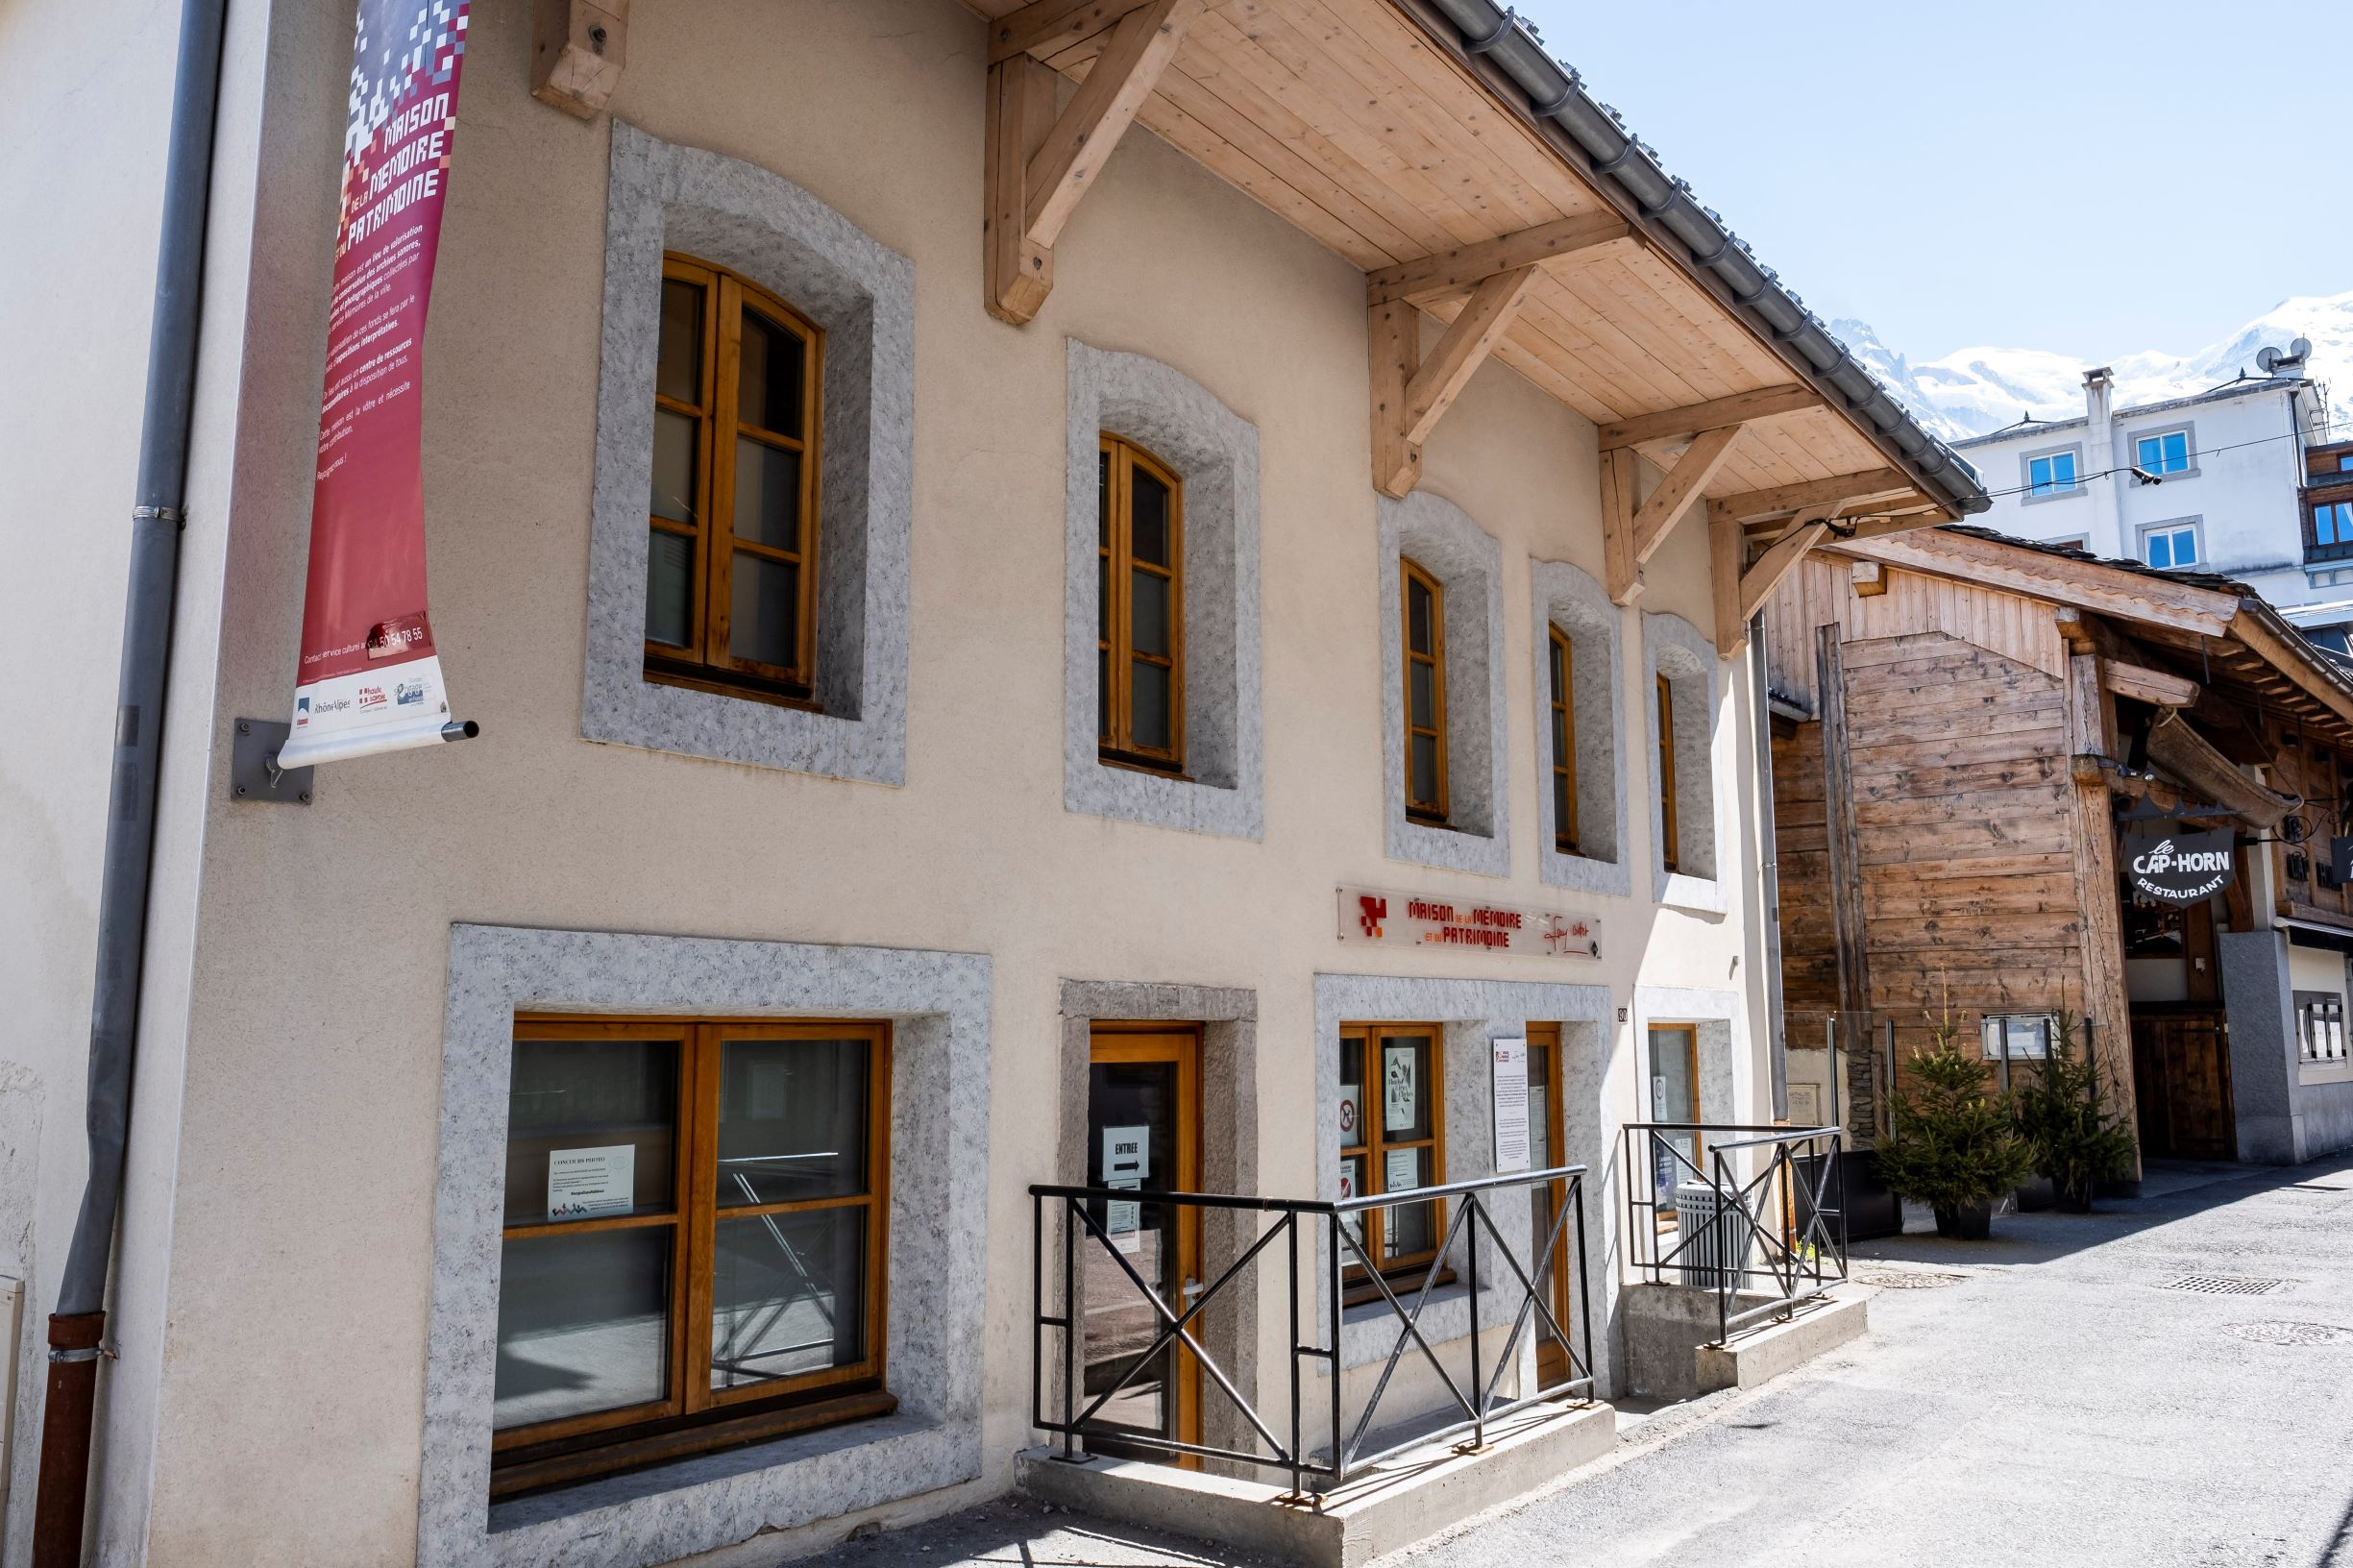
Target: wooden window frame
[1375, 1145]
[1563, 673]
[693, 1416]
[708, 664]
[1665, 1216]
[1115, 548]
[1670, 823]
[1434, 813]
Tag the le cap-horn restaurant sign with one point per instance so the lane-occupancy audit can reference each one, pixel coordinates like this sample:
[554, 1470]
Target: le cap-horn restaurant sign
[2179, 867]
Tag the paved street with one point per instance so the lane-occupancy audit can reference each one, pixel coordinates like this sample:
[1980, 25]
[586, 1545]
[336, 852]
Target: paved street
[2039, 1398]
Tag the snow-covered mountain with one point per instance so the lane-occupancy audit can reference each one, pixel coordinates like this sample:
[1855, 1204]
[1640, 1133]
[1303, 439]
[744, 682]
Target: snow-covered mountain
[1972, 391]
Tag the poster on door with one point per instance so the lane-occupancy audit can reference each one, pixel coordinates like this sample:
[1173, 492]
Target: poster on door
[1400, 1090]
[1127, 1159]
[368, 678]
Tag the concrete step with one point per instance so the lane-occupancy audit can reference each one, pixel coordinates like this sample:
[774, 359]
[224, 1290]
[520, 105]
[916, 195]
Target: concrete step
[1403, 1500]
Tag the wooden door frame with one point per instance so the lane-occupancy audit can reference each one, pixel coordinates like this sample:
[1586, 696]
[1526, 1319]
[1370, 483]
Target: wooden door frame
[1114, 1042]
[1553, 1359]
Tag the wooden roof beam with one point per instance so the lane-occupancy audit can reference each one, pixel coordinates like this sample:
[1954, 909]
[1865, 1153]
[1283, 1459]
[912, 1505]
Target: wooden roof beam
[1872, 484]
[1466, 266]
[1631, 540]
[2133, 597]
[1684, 424]
[1741, 590]
[1410, 395]
[1046, 28]
[1039, 163]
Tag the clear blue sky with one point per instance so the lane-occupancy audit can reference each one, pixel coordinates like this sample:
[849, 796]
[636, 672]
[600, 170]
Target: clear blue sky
[2091, 179]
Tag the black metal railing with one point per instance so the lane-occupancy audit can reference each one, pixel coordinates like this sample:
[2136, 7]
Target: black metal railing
[1317, 1292]
[1758, 1215]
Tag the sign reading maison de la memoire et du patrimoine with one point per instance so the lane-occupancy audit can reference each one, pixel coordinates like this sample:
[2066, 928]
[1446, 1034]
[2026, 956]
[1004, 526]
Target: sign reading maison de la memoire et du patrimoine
[2179, 867]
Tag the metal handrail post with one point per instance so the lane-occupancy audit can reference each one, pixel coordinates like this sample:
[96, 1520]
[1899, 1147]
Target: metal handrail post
[1037, 1306]
[1332, 1304]
[1291, 1258]
[1584, 1293]
[1069, 1334]
[1479, 1394]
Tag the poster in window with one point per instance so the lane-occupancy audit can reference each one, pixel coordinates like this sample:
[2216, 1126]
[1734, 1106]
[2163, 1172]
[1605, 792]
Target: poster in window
[1401, 1090]
[583, 1184]
[1127, 1159]
[1400, 1170]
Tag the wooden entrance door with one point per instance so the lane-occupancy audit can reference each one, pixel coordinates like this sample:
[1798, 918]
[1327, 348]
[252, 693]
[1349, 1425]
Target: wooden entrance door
[1546, 1146]
[2181, 1072]
[1143, 1132]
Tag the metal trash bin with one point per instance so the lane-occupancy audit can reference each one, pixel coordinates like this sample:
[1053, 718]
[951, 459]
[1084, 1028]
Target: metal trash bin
[1714, 1240]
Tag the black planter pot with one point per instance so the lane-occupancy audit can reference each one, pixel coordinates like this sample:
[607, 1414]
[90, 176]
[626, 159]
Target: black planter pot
[1965, 1221]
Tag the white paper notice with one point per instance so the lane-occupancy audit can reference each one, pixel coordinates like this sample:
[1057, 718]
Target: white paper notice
[582, 1183]
[1402, 1170]
[1511, 1105]
[1805, 1105]
[1127, 1155]
[1400, 1105]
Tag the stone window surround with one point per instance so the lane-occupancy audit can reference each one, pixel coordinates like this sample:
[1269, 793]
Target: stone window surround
[1229, 1154]
[940, 1004]
[1675, 648]
[1468, 562]
[1571, 599]
[2025, 475]
[737, 215]
[1472, 1012]
[1215, 452]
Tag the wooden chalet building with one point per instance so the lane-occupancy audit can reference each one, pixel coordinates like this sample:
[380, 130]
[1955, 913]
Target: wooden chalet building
[1974, 739]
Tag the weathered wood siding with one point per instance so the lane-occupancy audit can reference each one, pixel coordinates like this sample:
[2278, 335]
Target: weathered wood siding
[1809, 940]
[1818, 593]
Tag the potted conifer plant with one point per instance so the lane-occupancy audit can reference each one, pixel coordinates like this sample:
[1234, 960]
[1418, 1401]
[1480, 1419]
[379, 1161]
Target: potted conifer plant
[1953, 1146]
[2063, 1118]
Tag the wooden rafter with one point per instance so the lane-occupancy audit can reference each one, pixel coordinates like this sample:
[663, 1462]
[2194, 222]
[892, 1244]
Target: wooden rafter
[1466, 266]
[1039, 163]
[2146, 685]
[1741, 588]
[1047, 27]
[1872, 484]
[1410, 394]
[1683, 424]
[1647, 526]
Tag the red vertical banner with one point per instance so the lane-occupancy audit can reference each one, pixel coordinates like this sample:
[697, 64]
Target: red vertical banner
[369, 680]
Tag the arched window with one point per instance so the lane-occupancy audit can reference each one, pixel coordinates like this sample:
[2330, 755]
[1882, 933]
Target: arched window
[1425, 647]
[1139, 624]
[731, 564]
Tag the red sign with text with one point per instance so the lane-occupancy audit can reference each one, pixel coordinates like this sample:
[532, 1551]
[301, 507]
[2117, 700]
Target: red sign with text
[1416, 921]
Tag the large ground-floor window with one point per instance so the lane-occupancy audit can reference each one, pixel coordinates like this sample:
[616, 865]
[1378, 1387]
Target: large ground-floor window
[693, 1242]
[1392, 1137]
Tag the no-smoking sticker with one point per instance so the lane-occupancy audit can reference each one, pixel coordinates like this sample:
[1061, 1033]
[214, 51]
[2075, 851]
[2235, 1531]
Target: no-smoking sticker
[1348, 1116]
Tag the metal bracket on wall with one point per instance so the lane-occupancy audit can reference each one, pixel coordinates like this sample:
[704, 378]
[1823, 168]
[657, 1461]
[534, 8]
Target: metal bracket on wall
[252, 751]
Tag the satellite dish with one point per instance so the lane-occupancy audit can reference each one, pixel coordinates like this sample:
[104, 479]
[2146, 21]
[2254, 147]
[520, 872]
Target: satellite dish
[2301, 347]
[2267, 359]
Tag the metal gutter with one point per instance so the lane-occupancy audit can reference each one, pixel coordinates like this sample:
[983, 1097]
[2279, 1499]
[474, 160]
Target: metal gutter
[1628, 174]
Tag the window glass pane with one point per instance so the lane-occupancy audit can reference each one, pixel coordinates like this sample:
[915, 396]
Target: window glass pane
[678, 370]
[791, 1120]
[1423, 785]
[1149, 520]
[788, 1295]
[1558, 682]
[1102, 500]
[1421, 682]
[2063, 468]
[1148, 612]
[765, 612]
[2037, 473]
[1102, 695]
[669, 588]
[673, 466]
[1149, 683]
[769, 377]
[1417, 617]
[1412, 1227]
[2149, 457]
[1406, 1090]
[1352, 1094]
[583, 1323]
[2177, 452]
[1675, 1095]
[1352, 1185]
[1560, 738]
[1560, 808]
[2185, 548]
[618, 1098]
[2160, 551]
[767, 494]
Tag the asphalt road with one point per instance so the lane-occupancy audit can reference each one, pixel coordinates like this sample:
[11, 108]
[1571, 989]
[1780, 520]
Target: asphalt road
[2045, 1397]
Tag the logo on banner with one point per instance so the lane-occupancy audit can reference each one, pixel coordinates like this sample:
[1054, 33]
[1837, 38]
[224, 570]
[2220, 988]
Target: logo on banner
[408, 691]
[2180, 868]
[1370, 913]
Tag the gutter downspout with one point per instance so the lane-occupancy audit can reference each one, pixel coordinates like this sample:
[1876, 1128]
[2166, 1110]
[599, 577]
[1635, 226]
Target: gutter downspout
[77, 1328]
[1769, 868]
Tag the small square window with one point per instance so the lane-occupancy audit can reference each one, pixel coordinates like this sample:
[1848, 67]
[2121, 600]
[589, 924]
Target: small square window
[2344, 463]
[2020, 1037]
[2052, 474]
[2169, 546]
[2165, 453]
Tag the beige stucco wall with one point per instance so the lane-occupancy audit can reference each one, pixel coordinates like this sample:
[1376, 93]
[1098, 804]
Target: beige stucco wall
[299, 1189]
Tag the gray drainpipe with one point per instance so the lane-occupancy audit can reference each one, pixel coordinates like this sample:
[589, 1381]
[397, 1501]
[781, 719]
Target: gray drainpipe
[1769, 868]
[77, 1328]
[1620, 158]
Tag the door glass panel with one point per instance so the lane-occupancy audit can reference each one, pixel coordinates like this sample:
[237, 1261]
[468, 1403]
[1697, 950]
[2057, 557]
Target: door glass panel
[769, 377]
[764, 625]
[1544, 1201]
[583, 1324]
[767, 494]
[788, 1295]
[791, 1120]
[580, 1110]
[1131, 1143]
[1675, 1096]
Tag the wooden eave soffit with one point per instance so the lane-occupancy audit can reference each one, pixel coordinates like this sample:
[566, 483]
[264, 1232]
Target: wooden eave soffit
[1040, 163]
